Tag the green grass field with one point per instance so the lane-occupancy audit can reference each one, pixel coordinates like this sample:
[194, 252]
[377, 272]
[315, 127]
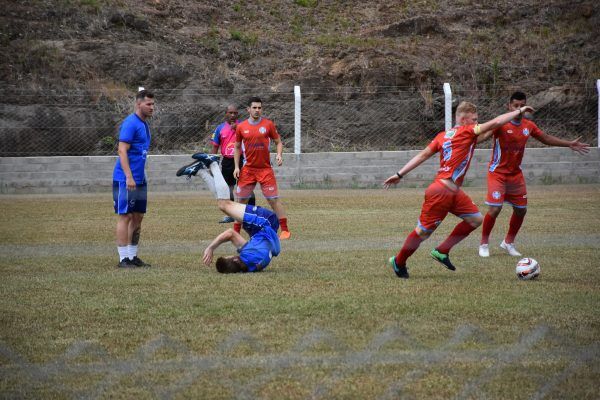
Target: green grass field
[327, 319]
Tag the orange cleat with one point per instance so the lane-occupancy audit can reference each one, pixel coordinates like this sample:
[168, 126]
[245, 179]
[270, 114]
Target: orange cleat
[284, 235]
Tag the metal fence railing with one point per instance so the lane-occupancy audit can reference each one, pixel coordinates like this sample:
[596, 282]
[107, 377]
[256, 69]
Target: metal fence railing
[35, 123]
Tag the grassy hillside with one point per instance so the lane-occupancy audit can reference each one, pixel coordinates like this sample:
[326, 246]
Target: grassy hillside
[232, 44]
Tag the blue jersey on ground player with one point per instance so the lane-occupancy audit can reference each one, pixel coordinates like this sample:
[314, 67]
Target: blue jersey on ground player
[261, 224]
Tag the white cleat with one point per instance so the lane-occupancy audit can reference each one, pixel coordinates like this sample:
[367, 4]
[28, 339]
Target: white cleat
[484, 250]
[510, 249]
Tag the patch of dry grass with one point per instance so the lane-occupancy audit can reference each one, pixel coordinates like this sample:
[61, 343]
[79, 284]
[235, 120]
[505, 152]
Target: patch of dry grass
[313, 314]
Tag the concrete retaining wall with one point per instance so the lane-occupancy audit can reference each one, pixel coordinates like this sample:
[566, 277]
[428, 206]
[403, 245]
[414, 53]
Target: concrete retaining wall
[45, 175]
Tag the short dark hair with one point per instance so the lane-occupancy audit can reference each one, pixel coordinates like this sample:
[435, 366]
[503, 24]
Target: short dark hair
[254, 99]
[142, 94]
[230, 265]
[517, 96]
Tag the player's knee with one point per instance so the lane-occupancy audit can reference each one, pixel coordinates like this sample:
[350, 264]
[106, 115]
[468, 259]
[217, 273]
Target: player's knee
[223, 204]
[423, 234]
[520, 211]
[494, 211]
[476, 221]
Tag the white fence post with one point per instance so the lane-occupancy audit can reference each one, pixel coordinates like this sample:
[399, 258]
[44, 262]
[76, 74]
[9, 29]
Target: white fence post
[598, 88]
[447, 107]
[297, 120]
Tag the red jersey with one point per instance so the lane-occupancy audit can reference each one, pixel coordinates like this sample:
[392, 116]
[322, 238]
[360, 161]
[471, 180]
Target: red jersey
[509, 145]
[256, 138]
[456, 148]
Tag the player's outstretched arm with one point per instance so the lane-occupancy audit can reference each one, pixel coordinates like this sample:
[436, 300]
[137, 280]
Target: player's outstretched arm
[417, 160]
[575, 145]
[228, 236]
[502, 119]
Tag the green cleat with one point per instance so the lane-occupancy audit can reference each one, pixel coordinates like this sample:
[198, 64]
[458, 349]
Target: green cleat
[443, 258]
[401, 272]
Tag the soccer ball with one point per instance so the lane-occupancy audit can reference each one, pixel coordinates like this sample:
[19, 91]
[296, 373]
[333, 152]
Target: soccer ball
[527, 268]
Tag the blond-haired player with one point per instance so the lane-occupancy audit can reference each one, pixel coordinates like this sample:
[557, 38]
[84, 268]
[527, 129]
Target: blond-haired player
[444, 195]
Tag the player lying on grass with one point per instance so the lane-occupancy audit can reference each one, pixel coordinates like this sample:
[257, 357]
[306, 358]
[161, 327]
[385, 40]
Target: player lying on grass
[261, 224]
[444, 195]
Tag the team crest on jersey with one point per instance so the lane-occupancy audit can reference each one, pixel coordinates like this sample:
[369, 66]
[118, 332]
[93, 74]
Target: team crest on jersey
[450, 134]
[496, 195]
[262, 130]
[509, 131]
[526, 132]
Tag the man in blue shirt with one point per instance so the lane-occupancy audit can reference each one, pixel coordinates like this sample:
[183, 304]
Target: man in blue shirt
[129, 180]
[261, 224]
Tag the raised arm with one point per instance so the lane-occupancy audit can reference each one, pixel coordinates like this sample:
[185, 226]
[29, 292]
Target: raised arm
[501, 120]
[417, 160]
[228, 236]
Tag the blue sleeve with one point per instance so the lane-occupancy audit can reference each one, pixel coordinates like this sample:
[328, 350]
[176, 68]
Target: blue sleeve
[216, 137]
[127, 132]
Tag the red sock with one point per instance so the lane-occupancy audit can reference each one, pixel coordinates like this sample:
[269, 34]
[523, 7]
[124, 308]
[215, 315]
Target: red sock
[237, 226]
[513, 227]
[283, 224]
[488, 225]
[411, 244]
[460, 232]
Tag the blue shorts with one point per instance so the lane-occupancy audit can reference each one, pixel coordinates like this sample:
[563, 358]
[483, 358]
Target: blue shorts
[255, 218]
[129, 201]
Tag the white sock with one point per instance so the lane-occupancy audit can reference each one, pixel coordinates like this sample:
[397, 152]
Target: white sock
[123, 252]
[220, 184]
[132, 250]
[210, 181]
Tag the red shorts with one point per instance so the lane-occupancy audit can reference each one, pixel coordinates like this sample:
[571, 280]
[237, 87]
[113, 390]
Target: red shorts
[247, 182]
[504, 188]
[441, 200]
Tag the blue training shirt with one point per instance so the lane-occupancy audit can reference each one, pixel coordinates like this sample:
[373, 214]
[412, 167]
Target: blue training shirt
[137, 133]
[259, 250]
[261, 225]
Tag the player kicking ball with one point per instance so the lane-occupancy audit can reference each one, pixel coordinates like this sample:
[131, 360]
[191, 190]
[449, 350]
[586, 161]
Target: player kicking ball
[444, 195]
[261, 224]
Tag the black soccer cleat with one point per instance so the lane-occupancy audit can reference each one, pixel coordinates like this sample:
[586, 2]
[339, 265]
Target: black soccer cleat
[207, 159]
[191, 169]
[443, 259]
[401, 272]
[126, 263]
[139, 263]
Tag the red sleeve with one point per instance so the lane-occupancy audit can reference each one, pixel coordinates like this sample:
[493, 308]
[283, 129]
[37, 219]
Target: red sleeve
[273, 131]
[471, 129]
[435, 144]
[535, 131]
